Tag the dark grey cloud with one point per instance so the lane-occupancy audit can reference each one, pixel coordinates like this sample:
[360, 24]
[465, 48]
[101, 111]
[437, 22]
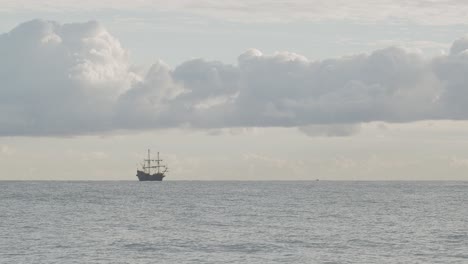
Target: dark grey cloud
[76, 79]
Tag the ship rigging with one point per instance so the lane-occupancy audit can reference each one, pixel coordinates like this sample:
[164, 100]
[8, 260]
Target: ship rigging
[147, 174]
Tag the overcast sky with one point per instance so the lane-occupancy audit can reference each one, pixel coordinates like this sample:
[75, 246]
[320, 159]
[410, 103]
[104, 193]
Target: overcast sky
[234, 90]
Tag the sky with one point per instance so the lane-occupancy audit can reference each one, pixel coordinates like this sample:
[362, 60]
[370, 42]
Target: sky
[234, 90]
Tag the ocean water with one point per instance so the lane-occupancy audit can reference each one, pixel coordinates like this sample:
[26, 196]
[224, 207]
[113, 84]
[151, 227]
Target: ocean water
[234, 222]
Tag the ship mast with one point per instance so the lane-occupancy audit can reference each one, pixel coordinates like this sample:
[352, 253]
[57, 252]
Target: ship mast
[149, 162]
[158, 162]
[158, 166]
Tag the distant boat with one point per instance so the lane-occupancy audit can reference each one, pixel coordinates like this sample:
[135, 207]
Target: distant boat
[158, 173]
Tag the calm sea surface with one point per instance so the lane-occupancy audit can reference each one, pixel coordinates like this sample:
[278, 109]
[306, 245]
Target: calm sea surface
[233, 222]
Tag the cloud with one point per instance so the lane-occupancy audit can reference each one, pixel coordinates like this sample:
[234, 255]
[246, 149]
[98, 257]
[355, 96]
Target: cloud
[74, 79]
[362, 11]
[458, 162]
[335, 130]
[6, 150]
[60, 79]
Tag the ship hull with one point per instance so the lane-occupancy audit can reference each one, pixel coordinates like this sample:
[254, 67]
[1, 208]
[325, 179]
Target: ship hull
[143, 176]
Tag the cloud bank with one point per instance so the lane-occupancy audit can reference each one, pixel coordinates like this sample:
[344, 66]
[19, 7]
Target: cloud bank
[76, 79]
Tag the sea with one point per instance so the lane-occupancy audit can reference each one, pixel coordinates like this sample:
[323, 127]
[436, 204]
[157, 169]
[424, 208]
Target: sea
[233, 222]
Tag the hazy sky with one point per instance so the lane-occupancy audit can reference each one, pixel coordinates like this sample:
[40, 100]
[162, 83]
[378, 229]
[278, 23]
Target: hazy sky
[234, 90]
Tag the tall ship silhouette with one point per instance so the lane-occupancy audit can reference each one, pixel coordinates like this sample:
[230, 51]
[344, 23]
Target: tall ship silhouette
[147, 174]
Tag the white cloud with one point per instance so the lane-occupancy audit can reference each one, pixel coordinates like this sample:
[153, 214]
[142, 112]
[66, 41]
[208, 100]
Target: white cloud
[6, 150]
[76, 79]
[334, 130]
[458, 162]
[60, 79]
[390, 11]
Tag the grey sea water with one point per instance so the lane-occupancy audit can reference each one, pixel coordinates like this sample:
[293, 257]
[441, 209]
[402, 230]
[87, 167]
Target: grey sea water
[233, 222]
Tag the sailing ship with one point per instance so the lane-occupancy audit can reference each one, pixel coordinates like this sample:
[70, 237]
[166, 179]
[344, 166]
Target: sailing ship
[147, 174]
